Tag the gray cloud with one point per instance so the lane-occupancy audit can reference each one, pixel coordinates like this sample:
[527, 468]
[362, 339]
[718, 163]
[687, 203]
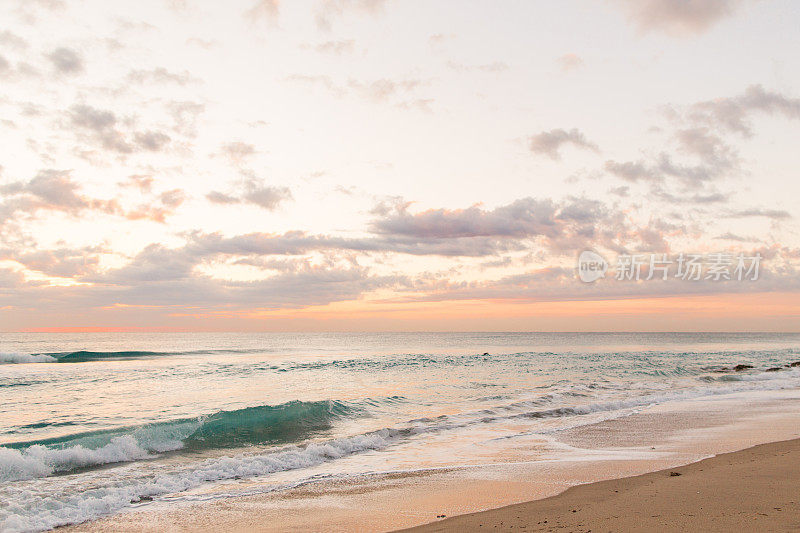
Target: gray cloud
[697, 198]
[152, 141]
[238, 151]
[52, 190]
[103, 127]
[62, 262]
[711, 166]
[630, 170]
[185, 115]
[266, 197]
[733, 113]
[216, 197]
[699, 136]
[678, 17]
[55, 190]
[12, 40]
[558, 227]
[160, 75]
[775, 214]
[733, 237]
[550, 142]
[253, 190]
[66, 60]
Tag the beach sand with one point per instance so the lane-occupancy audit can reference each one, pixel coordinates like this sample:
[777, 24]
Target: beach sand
[750, 490]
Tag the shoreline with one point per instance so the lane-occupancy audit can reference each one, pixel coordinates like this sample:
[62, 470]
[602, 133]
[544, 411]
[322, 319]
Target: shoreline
[657, 438]
[754, 489]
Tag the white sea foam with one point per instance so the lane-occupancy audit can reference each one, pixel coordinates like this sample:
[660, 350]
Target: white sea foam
[30, 510]
[39, 461]
[15, 357]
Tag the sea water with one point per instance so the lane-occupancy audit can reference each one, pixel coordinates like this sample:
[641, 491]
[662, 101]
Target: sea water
[92, 424]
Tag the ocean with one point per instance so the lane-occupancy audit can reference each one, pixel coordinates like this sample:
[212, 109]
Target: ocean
[94, 424]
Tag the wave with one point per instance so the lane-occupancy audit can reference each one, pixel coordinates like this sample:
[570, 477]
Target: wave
[266, 424]
[34, 510]
[299, 421]
[643, 364]
[84, 356]
[16, 358]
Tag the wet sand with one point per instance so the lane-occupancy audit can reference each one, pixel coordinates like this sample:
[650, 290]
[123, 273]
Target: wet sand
[750, 490]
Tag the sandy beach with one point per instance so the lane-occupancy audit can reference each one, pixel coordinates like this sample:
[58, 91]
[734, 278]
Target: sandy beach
[750, 490]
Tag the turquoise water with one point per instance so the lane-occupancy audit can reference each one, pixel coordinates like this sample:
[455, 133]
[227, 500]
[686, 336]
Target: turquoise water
[93, 423]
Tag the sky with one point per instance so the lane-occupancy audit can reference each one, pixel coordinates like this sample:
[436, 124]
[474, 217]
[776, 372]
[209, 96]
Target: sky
[325, 165]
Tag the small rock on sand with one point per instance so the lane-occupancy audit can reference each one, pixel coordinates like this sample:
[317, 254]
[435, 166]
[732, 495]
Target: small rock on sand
[739, 368]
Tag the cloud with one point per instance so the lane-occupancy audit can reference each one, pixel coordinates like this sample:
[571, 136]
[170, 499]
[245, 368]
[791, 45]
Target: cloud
[267, 9]
[733, 113]
[699, 135]
[61, 262]
[399, 91]
[630, 170]
[621, 191]
[152, 141]
[678, 17]
[382, 89]
[264, 196]
[185, 115]
[89, 117]
[102, 125]
[344, 46]
[238, 152]
[55, 190]
[522, 218]
[143, 182]
[322, 80]
[550, 142]
[254, 191]
[775, 214]
[66, 61]
[12, 40]
[328, 10]
[173, 198]
[437, 39]
[569, 62]
[733, 237]
[160, 75]
[495, 67]
[216, 197]
[558, 227]
[697, 198]
[713, 159]
[52, 190]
